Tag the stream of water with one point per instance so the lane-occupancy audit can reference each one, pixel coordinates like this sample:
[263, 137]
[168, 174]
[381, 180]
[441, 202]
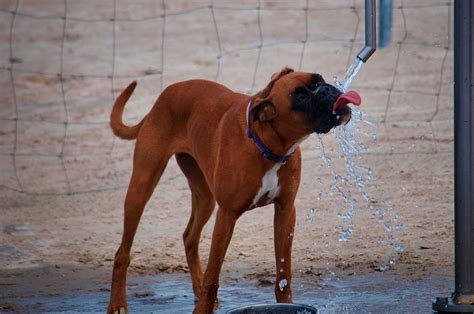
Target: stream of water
[358, 175]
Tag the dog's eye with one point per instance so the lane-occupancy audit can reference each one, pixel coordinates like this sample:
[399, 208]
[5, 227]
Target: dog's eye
[302, 98]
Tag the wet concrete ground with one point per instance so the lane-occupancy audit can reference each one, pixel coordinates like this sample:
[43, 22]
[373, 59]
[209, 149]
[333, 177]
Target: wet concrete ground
[69, 289]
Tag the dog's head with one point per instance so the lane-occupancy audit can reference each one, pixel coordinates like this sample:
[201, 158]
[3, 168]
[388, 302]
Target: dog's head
[303, 102]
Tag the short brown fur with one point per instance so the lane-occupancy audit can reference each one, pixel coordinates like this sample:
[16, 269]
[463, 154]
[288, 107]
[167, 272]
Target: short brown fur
[203, 124]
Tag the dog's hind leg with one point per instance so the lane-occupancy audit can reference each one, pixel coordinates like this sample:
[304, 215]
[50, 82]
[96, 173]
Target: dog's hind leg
[149, 164]
[203, 203]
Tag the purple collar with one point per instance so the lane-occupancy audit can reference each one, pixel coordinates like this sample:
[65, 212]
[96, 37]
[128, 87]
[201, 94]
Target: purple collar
[267, 153]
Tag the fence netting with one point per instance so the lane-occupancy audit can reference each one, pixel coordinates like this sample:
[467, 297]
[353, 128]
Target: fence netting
[64, 62]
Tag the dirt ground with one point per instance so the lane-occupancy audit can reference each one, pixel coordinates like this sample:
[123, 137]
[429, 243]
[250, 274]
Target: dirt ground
[63, 176]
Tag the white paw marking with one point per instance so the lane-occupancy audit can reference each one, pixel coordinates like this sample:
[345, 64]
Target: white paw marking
[122, 310]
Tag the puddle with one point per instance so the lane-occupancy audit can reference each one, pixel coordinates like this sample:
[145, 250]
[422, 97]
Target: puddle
[167, 293]
[12, 257]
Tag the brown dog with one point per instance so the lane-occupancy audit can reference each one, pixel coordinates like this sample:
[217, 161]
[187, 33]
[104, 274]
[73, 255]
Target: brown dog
[237, 150]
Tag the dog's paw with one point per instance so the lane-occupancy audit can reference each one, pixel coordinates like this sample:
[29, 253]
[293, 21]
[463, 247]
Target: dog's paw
[122, 310]
[117, 310]
[216, 303]
[200, 308]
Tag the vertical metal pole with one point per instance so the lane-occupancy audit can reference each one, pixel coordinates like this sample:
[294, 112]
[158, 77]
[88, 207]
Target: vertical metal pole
[463, 146]
[385, 22]
[463, 297]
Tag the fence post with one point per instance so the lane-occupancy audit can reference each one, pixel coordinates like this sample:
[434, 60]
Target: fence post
[463, 297]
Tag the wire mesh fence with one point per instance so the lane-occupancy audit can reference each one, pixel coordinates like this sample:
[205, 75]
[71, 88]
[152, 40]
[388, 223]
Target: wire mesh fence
[63, 63]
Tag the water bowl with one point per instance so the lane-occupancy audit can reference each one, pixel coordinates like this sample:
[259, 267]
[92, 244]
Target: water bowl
[271, 308]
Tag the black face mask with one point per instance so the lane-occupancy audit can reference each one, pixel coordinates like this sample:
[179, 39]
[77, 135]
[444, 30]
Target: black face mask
[317, 106]
[325, 96]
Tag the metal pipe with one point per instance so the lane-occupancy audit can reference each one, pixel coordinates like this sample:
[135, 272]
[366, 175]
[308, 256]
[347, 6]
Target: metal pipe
[463, 297]
[370, 31]
[464, 159]
[385, 22]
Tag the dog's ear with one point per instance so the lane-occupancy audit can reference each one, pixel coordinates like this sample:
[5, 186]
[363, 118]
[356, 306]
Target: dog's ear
[275, 77]
[284, 71]
[264, 110]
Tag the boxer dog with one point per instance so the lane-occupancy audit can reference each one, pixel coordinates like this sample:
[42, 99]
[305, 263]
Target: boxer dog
[235, 150]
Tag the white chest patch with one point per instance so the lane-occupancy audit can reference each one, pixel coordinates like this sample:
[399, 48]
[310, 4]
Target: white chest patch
[270, 179]
[269, 185]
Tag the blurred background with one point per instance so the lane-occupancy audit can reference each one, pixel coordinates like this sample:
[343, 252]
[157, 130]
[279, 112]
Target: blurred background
[63, 175]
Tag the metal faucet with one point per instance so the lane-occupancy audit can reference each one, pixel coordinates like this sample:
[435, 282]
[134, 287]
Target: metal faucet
[370, 31]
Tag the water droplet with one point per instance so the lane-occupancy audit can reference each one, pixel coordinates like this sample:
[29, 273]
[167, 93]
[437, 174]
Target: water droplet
[400, 227]
[311, 215]
[399, 247]
[346, 233]
[385, 267]
[282, 284]
[282, 260]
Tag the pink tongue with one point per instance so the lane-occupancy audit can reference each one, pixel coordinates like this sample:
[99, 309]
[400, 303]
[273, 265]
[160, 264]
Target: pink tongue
[351, 97]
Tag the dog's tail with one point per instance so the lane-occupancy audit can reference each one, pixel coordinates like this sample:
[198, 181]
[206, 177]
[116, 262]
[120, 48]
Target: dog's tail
[118, 127]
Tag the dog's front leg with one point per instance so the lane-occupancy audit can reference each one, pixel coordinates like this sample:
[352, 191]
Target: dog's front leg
[284, 227]
[223, 229]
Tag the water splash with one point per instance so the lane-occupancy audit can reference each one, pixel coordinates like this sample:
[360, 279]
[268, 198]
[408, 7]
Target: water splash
[387, 266]
[346, 232]
[357, 175]
[282, 284]
[399, 247]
